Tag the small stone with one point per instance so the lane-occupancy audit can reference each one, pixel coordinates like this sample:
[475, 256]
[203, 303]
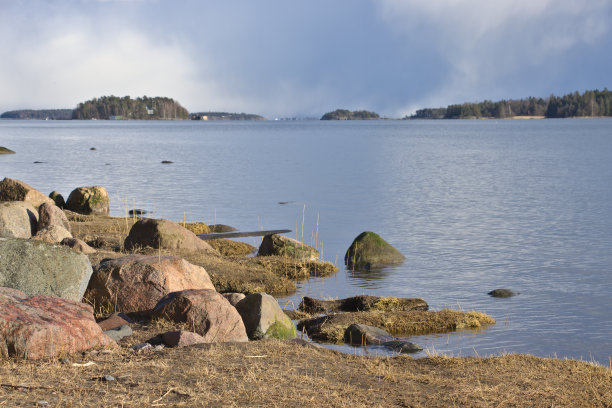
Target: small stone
[107, 377]
[167, 162]
[65, 361]
[92, 148]
[158, 348]
[141, 347]
[119, 333]
[42, 403]
[115, 320]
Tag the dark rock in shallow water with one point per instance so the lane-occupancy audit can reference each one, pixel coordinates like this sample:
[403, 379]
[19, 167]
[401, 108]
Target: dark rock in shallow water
[138, 211]
[402, 346]
[361, 334]
[362, 303]
[92, 148]
[502, 293]
[167, 162]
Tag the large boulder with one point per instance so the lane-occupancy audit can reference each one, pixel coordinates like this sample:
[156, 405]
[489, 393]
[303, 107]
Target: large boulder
[263, 318]
[50, 214]
[15, 190]
[369, 250]
[159, 233]
[89, 200]
[18, 219]
[284, 246]
[36, 267]
[46, 326]
[135, 283]
[206, 311]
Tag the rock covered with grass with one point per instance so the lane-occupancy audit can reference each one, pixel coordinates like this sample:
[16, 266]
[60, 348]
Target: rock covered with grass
[6, 150]
[58, 199]
[37, 267]
[369, 250]
[206, 312]
[362, 303]
[89, 200]
[135, 283]
[284, 246]
[18, 219]
[160, 233]
[16, 190]
[46, 326]
[263, 318]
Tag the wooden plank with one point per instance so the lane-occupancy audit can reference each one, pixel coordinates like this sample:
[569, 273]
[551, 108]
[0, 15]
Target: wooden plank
[239, 234]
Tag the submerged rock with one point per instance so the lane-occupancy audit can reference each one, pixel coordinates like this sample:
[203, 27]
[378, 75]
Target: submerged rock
[502, 293]
[369, 250]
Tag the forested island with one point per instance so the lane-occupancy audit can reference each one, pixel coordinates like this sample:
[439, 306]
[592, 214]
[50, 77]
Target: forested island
[41, 114]
[344, 114]
[589, 104]
[224, 116]
[143, 108]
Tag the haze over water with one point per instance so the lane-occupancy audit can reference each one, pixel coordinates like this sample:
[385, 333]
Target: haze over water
[473, 205]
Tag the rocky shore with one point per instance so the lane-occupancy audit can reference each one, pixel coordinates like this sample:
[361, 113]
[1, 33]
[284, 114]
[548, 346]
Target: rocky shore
[141, 311]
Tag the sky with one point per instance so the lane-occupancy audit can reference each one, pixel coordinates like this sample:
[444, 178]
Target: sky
[281, 58]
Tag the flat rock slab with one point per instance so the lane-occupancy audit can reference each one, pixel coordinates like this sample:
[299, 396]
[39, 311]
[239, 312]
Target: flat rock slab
[46, 326]
[362, 303]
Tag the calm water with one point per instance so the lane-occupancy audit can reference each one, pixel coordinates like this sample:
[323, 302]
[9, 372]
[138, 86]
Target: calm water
[473, 205]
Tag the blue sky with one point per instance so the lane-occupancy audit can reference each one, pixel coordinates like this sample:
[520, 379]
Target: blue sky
[288, 58]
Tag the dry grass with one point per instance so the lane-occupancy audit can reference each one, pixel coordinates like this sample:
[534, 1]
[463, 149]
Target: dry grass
[284, 374]
[331, 328]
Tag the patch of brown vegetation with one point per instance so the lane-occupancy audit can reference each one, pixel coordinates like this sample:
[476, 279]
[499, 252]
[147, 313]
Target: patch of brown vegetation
[227, 247]
[196, 227]
[362, 303]
[331, 328]
[277, 373]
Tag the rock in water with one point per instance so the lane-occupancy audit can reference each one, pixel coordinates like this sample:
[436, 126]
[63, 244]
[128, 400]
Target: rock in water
[46, 326]
[402, 346]
[89, 200]
[5, 150]
[369, 250]
[36, 267]
[135, 283]
[163, 234]
[15, 190]
[362, 303]
[263, 318]
[502, 293]
[18, 219]
[206, 311]
[284, 246]
[361, 334]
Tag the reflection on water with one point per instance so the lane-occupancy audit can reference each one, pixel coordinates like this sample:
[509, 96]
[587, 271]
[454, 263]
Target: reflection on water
[372, 278]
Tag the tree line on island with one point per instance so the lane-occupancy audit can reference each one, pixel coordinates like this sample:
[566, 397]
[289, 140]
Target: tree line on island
[589, 104]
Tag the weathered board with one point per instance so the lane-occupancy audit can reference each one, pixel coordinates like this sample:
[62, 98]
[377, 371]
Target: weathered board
[239, 234]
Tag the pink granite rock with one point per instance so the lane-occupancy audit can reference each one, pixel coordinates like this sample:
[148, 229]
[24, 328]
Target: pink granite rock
[46, 326]
[208, 312]
[135, 283]
[115, 320]
[182, 338]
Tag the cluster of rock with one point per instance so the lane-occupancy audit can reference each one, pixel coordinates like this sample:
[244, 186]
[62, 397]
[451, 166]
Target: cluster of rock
[42, 283]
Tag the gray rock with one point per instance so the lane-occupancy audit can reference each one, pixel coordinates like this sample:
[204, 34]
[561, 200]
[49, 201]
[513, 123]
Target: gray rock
[502, 293]
[18, 219]
[139, 348]
[119, 332]
[369, 250]
[36, 267]
[263, 318]
[402, 346]
[361, 334]
[53, 234]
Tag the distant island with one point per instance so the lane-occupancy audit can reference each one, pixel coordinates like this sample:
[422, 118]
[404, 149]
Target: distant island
[42, 114]
[125, 108]
[224, 116]
[589, 104]
[343, 114]
[144, 108]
